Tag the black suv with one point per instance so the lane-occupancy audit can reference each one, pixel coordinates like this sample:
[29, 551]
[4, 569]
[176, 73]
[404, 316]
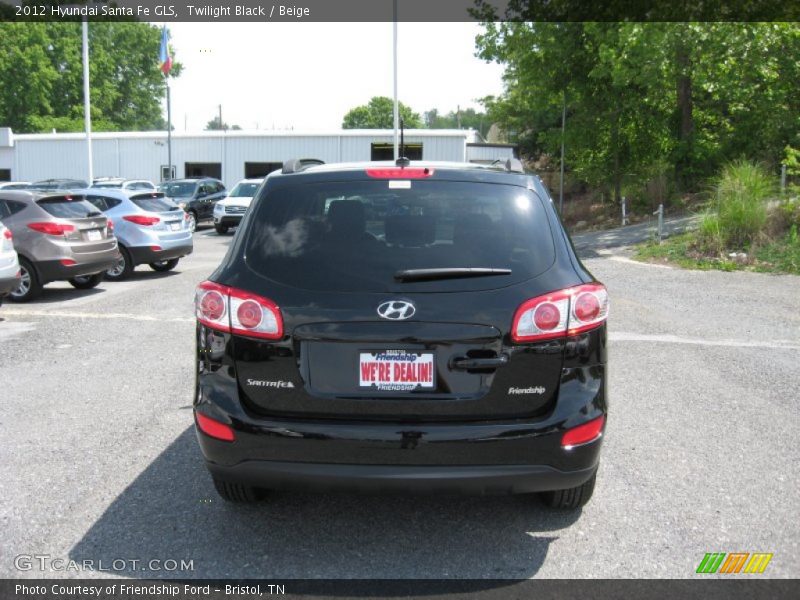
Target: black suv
[197, 196]
[415, 327]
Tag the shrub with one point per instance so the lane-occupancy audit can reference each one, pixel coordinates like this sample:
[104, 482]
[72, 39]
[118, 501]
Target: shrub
[740, 196]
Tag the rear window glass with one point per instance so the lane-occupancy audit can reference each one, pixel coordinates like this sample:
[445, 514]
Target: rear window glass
[178, 190]
[345, 236]
[153, 202]
[68, 207]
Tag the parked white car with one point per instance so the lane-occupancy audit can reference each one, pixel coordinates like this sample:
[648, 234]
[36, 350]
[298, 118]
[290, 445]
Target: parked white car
[229, 211]
[9, 264]
[14, 185]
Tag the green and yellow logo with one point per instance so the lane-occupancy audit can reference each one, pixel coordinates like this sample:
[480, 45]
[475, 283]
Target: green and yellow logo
[733, 563]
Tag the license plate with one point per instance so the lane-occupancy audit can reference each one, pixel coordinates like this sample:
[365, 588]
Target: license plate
[175, 226]
[396, 370]
[94, 235]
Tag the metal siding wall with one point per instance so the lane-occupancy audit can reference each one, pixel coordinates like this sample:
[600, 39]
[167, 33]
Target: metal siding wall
[488, 153]
[142, 157]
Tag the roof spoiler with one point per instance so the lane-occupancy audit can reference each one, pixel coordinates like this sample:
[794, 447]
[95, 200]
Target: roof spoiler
[295, 165]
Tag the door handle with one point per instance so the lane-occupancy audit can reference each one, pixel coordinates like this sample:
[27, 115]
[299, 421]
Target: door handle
[463, 363]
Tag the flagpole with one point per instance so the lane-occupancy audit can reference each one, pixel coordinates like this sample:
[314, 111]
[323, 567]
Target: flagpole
[169, 130]
[87, 115]
[396, 109]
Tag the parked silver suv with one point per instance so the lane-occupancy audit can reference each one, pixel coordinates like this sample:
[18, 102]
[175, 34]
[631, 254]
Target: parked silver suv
[58, 236]
[150, 229]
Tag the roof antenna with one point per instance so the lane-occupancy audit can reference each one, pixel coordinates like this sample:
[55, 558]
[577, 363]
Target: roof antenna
[402, 161]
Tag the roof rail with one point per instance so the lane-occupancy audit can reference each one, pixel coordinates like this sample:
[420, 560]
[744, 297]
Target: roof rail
[295, 165]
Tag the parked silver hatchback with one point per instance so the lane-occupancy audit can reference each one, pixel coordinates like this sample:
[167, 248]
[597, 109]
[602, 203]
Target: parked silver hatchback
[58, 236]
[9, 265]
[150, 228]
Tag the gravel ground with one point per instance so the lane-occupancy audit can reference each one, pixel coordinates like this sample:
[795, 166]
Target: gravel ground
[99, 460]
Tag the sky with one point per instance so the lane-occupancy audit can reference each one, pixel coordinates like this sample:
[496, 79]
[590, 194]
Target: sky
[306, 76]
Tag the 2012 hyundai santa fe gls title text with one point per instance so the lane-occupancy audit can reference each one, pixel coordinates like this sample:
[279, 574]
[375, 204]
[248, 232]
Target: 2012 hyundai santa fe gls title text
[414, 327]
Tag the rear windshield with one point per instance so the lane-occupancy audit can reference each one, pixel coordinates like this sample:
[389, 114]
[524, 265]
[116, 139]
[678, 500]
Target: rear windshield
[108, 184]
[178, 190]
[244, 190]
[139, 185]
[356, 236]
[69, 207]
[154, 202]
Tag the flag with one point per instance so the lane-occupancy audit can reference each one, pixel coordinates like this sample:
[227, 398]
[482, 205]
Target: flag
[165, 60]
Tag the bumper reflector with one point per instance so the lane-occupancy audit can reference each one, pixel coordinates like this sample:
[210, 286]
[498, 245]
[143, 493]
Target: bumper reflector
[583, 434]
[68, 262]
[214, 429]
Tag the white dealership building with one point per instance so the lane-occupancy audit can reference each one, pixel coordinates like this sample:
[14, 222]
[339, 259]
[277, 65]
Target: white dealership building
[228, 155]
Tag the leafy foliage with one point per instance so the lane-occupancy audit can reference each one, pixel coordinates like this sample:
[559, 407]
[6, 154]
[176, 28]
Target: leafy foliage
[379, 114]
[680, 98]
[42, 75]
[468, 118]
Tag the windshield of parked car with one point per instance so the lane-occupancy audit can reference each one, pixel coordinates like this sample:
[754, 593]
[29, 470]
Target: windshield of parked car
[244, 190]
[155, 202]
[346, 236]
[69, 207]
[180, 189]
[139, 185]
[108, 184]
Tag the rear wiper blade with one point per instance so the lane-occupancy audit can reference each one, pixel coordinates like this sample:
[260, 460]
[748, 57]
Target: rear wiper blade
[447, 273]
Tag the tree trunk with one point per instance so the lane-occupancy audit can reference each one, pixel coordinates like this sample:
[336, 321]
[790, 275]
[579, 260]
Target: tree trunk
[683, 64]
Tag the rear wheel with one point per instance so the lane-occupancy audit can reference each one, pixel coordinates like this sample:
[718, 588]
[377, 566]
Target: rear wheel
[571, 498]
[192, 221]
[123, 269]
[86, 282]
[164, 265]
[235, 492]
[221, 229]
[29, 285]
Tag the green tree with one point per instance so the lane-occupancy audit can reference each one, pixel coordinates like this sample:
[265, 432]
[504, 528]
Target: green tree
[459, 119]
[379, 114]
[682, 98]
[214, 125]
[42, 75]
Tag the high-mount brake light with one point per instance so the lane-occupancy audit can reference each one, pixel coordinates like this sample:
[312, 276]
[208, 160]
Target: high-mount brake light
[400, 172]
[232, 310]
[560, 313]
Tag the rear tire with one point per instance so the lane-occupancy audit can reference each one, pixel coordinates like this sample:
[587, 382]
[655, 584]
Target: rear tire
[86, 282]
[124, 269]
[571, 498]
[164, 265]
[235, 492]
[221, 229]
[192, 221]
[29, 286]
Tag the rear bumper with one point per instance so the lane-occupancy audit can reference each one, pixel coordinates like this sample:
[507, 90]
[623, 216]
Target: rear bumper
[144, 254]
[487, 479]
[8, 285]
[53, 270]
[228, 220]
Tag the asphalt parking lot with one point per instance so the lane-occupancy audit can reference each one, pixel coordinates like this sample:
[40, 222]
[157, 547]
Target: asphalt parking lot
[99, 460]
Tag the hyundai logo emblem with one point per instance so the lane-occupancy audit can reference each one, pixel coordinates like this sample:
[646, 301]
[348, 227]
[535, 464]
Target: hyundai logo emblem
[396, 310]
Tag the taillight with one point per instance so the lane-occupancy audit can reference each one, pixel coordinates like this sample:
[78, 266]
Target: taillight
[236, 311]
[560, 313]
[68, 262]
[400, 173]
[110, 225]
[52, 228]
[7, 234]
[142, 219]
[583, 434]
[213, 428]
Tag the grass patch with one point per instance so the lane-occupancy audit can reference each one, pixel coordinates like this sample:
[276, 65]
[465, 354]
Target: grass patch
[781, 256]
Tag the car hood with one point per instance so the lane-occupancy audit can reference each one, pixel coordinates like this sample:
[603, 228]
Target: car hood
[235, 201]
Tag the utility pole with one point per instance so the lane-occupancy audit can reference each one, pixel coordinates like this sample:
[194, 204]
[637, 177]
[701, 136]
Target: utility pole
[561, 179]
[87, 113]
